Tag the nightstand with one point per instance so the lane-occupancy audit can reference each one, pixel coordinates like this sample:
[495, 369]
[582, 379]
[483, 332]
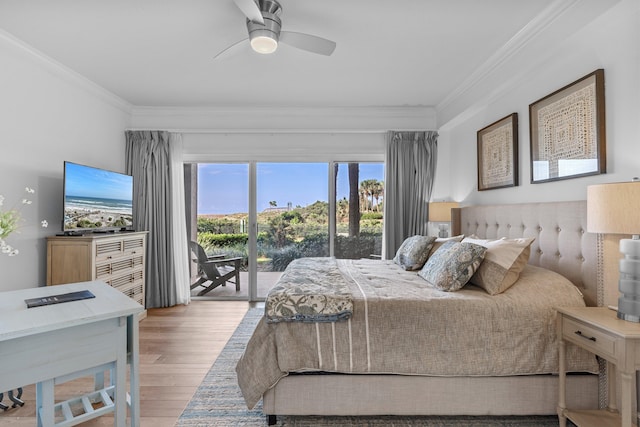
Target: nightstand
[599, 331]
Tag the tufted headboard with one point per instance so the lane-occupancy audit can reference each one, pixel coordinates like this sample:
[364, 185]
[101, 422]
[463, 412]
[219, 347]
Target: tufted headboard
[561, 244]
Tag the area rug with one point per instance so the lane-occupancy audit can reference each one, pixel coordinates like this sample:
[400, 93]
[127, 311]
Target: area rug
[218, 401]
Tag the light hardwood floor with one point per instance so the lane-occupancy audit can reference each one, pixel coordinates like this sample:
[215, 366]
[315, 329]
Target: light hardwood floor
[178, 345]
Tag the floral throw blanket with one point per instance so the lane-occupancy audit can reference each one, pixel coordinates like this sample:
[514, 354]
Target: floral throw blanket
[310, 290]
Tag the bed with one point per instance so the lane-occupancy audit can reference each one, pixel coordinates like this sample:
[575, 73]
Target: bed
[492, 360]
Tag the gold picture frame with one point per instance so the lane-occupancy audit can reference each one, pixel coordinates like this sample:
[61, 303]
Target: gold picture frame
[567, 131]
[498, 154]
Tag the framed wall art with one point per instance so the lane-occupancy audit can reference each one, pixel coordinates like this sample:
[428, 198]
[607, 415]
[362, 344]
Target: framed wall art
[567, 130]
[498, 154]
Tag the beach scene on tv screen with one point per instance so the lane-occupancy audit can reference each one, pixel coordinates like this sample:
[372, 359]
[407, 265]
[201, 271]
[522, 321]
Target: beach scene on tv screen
[96, 198]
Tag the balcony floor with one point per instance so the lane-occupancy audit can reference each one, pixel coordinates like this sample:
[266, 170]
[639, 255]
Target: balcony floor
[266, 280]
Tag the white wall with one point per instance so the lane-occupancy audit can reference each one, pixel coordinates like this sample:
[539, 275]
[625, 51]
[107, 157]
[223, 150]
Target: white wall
[285, 134]
[290, 146]
[48, 115]
[266, 120]
[611, 42]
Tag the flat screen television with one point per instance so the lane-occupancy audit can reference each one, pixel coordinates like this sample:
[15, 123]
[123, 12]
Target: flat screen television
[96, 200]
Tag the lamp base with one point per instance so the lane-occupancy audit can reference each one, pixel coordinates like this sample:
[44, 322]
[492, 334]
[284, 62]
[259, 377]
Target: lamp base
[629, 317]
[444, 232]
[629, 283]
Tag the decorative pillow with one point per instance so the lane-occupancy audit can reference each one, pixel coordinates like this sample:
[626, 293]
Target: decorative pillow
[452, 265]
[504, 260]
[441, 240]
[413, 252]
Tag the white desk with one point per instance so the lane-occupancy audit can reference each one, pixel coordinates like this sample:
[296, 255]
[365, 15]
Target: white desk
[56, 343]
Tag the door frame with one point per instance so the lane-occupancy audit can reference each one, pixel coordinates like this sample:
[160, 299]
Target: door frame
[252, 249]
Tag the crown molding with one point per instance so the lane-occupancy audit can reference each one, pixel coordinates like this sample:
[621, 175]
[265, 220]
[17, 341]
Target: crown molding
[511, 65]
[514, 45]
[65, 73]
[295, 111]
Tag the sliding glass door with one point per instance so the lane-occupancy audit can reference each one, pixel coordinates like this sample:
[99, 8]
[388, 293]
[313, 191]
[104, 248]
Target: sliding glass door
[221, 193]
[358, 210]
[269, 214]
[292, 217]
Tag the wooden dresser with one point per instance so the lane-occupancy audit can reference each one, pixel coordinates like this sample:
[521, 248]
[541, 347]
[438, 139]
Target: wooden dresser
[115, 258]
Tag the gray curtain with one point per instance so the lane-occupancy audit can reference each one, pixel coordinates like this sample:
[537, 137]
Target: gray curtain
[410, 167]
[148, 159]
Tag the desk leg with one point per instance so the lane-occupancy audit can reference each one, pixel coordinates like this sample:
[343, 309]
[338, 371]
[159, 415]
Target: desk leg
[98, 381]
[134, 375]
[121, 377]
[627, 391]
[45, 414]
[612, 400]
[38, 404]
[562, 374]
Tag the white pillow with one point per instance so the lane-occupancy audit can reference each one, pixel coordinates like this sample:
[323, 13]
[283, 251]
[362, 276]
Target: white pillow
[503, 263]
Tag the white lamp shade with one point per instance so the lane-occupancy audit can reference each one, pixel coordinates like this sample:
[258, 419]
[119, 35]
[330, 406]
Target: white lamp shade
[441, 211]
[614, 208]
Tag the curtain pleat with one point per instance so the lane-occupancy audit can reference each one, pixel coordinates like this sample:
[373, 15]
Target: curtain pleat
[149, 160]
[178, 221]
[410, 167]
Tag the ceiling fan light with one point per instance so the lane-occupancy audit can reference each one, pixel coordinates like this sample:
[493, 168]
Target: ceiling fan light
[264, 44]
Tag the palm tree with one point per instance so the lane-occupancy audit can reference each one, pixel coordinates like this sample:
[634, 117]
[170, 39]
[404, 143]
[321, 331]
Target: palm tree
[342, 209]
[378, 193]
[369, 188]
[354, 200]
[364, 202]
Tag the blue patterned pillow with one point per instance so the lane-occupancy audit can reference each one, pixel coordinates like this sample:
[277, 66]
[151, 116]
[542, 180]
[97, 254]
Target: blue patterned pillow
[413, 252]
[452, 265]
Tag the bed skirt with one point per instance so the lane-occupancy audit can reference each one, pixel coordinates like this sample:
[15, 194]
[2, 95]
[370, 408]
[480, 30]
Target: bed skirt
[419, 395]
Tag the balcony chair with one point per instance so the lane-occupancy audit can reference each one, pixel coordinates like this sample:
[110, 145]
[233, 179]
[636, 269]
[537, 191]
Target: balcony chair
[215, 270]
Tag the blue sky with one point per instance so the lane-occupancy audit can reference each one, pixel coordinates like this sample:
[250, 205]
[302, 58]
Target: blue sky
[224, 188]
[87, 181]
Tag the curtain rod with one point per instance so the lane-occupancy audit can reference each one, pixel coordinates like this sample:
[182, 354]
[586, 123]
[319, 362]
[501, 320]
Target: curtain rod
[283, 131]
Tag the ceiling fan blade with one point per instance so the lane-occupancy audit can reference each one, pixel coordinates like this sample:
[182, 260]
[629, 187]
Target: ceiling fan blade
[250, 10]
[231, 50]
[308, 42]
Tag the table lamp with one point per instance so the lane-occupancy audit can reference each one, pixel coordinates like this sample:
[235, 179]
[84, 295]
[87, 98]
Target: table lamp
[441, 212]
[615, 209]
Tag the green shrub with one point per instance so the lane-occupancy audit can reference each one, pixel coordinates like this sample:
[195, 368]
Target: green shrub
[218, 225]
[229, 251]
[85, 223]
[371, 215]
[280, 258]
[315, 245]
[355, 247]
[221, 240]
[120, 222]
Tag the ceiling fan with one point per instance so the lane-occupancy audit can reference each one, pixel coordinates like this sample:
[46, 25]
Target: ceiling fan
[263, 25]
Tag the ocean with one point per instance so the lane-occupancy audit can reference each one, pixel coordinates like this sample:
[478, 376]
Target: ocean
[124, 207]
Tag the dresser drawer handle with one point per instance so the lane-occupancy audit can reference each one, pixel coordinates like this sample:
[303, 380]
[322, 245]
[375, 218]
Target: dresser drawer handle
[580, 334]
